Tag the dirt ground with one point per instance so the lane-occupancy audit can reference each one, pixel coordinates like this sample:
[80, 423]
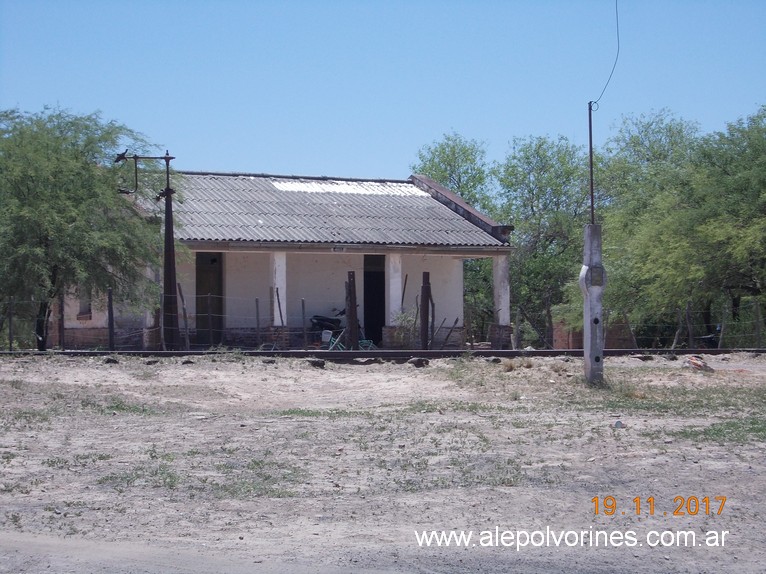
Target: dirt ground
[239, 464]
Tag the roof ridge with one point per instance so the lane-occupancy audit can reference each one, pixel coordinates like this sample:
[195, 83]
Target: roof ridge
[281, 176]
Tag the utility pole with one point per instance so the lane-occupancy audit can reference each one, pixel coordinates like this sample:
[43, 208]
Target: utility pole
[170, 333]
[592, 282]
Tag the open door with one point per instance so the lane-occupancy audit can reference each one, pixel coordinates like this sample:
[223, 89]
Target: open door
[374, 297]
[209, 283]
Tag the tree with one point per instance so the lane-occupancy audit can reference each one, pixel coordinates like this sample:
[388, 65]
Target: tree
[544, 191]
[63, 226]
[461, 166]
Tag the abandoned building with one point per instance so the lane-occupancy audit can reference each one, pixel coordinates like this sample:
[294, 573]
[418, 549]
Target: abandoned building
[262, 254]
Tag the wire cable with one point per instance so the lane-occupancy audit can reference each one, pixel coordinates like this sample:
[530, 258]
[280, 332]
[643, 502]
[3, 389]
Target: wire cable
[617, 57]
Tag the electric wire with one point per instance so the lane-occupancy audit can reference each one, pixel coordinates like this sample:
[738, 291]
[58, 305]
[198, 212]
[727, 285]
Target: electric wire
[617, 56]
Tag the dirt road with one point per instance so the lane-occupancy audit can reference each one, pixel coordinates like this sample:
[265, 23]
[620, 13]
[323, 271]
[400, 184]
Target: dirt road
[242, 464]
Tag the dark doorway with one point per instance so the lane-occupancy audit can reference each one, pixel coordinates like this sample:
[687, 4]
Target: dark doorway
[374, 296]
[209, 298]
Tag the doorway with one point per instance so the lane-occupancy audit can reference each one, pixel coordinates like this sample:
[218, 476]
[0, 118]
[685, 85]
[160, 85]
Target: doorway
[209, 286]
[374, 297]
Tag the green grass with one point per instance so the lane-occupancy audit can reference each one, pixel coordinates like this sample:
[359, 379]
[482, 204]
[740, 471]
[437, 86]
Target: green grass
[115, 405]
[750, 429]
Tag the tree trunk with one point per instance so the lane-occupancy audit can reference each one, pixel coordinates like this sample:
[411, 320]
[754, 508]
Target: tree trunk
[41, 325]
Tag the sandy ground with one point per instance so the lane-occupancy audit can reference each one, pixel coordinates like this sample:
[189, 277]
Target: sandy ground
[242, 464]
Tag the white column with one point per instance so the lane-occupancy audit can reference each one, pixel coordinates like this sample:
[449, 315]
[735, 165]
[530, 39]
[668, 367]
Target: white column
[394, 287]
[279, 282]
[501, 288]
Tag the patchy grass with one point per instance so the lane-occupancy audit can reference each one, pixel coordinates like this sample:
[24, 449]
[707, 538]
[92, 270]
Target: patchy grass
[117, 405]
[751, 429]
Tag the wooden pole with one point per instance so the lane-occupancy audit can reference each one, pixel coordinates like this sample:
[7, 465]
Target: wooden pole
[352, 322]
[110, 316]
[10, 324]
[689, 327]
[279, 307]
[61, 320]
[425, 297]
[257, 322]
[210, 319]
[187, 346]
[444, 343]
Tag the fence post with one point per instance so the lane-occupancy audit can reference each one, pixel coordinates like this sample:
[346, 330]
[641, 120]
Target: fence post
[303, 319]
[10, 325]
[187, 345]
[61, 320]
[110, 317]
[257, 323]
[425, 298]
[162, 322]
[352, 323]
[210, 319]
[689, 326]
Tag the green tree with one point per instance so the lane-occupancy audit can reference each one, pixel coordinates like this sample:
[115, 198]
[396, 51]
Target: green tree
[461, 165]
[730, 194]
[652, 244]
[63, 226]
[545, 192]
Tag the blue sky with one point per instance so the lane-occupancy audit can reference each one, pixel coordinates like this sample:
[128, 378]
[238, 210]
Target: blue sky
[356, 88]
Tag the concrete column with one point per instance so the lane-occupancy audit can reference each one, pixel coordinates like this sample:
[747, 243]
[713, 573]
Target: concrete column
[393, 287]
[501, 288]
[279, 283]
[592, 283]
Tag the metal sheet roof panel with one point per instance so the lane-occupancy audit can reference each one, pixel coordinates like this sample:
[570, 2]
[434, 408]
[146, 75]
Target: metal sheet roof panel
[228, 207]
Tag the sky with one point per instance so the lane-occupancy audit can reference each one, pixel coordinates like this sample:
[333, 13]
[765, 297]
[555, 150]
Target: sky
[346, 88]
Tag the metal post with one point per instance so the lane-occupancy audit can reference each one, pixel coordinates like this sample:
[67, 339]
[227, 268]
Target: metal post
[303, 322]
[110, 317]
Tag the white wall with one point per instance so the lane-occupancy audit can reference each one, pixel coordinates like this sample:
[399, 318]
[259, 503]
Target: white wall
[245, 277]
[320, 279]
[446, 284]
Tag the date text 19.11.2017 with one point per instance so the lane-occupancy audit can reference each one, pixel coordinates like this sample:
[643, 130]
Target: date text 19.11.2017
[682, 506]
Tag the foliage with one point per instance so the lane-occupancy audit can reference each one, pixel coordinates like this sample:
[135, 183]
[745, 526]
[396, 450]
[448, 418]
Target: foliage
[63, 225]
[545, 192]
[684, 219]
[461, 166]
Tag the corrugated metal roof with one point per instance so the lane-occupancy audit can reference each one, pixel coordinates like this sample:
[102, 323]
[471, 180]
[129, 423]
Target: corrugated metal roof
[263, 208]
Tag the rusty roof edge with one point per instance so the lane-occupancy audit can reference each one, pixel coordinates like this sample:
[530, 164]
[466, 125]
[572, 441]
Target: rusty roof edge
[469, 251]
[296, 177]
[459, 206]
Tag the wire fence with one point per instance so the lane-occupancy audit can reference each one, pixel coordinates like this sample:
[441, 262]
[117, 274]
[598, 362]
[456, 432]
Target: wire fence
[277, 323]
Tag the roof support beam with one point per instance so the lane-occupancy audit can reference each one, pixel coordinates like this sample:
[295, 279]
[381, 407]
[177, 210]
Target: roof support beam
[394, 287]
